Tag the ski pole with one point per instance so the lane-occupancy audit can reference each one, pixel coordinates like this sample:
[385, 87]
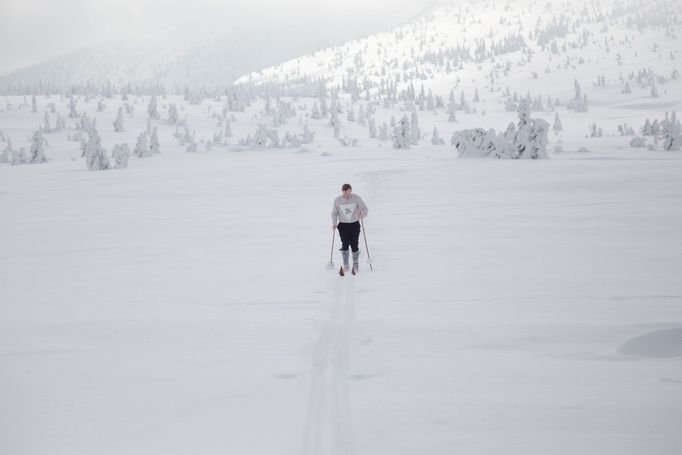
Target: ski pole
[366, 247]
[331, 253]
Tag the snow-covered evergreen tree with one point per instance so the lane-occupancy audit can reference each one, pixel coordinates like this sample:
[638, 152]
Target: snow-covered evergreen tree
[95, 156]
[334, 121]
[118, 123]
[654, 90]
[37, 151]
[154, 146]
[402, 134]
[415, 131]
[672, 133]
[579, 102]
[60, 124]
[152, 109]
[142, 146]
[308, 136]
[436, 139]
[173, 114]
[7, 152]
[46, 126]
[372, 128]
[121, 154]
[452, 107]
[72, 107]
[557, 124]
[530, 139]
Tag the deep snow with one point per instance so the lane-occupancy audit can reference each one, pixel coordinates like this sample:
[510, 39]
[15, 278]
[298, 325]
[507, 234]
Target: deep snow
[182, 305]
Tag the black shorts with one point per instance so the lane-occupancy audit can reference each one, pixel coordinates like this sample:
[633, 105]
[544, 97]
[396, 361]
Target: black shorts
[350, 234]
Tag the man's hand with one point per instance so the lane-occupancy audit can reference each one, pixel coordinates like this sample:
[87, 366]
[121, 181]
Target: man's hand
[333, 226]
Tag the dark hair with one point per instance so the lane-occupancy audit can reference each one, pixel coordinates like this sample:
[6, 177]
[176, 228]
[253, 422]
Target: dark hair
[346, 186]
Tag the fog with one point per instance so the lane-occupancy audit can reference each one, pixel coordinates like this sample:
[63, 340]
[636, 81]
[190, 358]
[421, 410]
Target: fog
[35, 30]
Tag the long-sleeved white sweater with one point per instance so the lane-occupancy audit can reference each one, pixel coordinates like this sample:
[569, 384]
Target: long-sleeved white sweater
[347, 210]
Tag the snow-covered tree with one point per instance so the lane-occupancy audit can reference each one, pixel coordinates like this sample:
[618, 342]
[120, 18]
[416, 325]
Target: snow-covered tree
[46, 126]
[415, 131]
[142, 146]
[654, 89]
[118, 123]
[672, 133]
[479, 143]
[334, 121]
[308, 136]
[95, 156]
[7, 152]
[557, 124]
[579, 102]
[120, 154]
[154, 145]
[530, 139]
[452, 107]
[527, 141]
[37, 151]
[152, 109]
[60, 124]
[372, 128]
[72, 107]
[34, 104]
[402, 134]
[436, 139]
[173, 114]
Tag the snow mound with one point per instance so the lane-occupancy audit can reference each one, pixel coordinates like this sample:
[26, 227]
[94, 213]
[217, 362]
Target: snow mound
[658, 344]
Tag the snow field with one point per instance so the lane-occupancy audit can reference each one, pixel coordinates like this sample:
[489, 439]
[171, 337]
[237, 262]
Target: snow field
[183, 304]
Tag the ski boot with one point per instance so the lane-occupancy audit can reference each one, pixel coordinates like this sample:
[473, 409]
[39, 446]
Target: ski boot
[356, 265]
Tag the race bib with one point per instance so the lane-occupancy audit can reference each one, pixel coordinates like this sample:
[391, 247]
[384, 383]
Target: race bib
[346, 210]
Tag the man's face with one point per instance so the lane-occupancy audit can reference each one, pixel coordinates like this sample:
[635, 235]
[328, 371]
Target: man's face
[346, 193]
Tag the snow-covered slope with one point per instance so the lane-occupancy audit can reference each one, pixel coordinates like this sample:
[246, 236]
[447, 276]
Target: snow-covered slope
[539, 47]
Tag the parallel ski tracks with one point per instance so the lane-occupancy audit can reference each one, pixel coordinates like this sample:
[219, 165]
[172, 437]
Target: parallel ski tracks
[328, 425]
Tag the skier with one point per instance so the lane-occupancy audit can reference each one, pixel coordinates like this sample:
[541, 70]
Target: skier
[347, 211]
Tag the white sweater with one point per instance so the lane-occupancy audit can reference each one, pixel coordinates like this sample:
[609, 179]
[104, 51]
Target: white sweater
[348, 210]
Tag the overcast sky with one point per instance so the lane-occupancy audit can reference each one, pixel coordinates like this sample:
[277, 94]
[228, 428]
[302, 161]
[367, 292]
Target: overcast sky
[34, 30]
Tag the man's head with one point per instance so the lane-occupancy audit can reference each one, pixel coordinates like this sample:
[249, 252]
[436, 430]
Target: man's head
[346, 189]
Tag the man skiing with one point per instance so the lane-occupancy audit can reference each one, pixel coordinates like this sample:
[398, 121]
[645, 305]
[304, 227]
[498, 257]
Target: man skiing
[347, 211]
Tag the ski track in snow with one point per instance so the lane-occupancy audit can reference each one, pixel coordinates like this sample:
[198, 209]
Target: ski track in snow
[328, 424]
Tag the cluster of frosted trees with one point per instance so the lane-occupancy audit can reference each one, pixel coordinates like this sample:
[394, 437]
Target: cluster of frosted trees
[525, 140]
[35, 154]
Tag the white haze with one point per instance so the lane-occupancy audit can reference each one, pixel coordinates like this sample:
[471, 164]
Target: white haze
[35, 30]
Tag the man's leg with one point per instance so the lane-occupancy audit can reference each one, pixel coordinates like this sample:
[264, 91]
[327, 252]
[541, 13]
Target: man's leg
[355, 246]
[346, 241]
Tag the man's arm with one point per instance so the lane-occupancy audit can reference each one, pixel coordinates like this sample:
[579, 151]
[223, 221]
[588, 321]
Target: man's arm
[335, 215]
[362, 207]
